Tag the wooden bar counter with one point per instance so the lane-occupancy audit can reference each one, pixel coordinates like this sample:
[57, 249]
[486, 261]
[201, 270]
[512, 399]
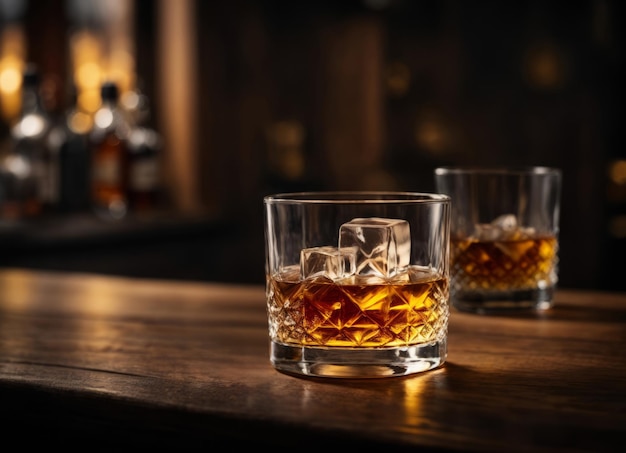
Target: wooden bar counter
[109, 363]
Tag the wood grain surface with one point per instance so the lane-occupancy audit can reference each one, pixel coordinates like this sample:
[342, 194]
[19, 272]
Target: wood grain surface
[104, 363]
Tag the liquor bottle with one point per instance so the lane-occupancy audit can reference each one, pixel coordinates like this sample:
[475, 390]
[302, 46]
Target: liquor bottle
[30, 148]
[71, 137]
[109, 156]
[144, 147]
[144, 186]
[19, 187]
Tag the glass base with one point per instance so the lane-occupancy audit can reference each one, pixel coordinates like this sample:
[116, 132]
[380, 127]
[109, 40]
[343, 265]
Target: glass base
[486, 302]
[357, 363]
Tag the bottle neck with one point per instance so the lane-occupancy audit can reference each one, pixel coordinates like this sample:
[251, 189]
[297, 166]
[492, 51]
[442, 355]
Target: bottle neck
[31, 101]
[110, 119]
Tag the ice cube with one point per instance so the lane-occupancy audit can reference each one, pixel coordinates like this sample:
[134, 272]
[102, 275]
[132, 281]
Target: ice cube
[508, 235]
[505, 222]
[327, 261]
[502, 228]
[383, 245]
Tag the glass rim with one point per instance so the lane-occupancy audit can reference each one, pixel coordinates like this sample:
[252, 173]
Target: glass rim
[497, 170]
[357, 197]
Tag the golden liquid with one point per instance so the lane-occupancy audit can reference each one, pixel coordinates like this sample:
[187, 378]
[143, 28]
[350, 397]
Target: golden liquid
[109, 177]
[358, 312]
[503, 265]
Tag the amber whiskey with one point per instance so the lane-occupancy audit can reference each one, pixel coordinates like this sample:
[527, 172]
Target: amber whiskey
[109, 156]
[503, 265]
[408, 310]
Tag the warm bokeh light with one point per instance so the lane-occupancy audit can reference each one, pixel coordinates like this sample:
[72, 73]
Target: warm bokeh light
[12, 62]
[31, 125]
[97, 57]
[616, 184]
[430, 133]
[18, 166]
[80, 122]
[286, 156]
[545, 67]
[617, 172]
[88, 75]
[103, 118]
[86, 57]
[398, 79]
[131, 100]
[10, 77]
[89, 100]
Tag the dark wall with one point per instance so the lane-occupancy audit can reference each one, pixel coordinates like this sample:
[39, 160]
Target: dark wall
[481, 83]
[376, 94]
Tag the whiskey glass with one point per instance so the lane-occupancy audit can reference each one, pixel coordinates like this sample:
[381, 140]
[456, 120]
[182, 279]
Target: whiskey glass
[504, 237]
[357, 282]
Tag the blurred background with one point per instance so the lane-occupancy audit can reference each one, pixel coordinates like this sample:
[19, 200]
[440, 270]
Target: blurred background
[228, 101]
